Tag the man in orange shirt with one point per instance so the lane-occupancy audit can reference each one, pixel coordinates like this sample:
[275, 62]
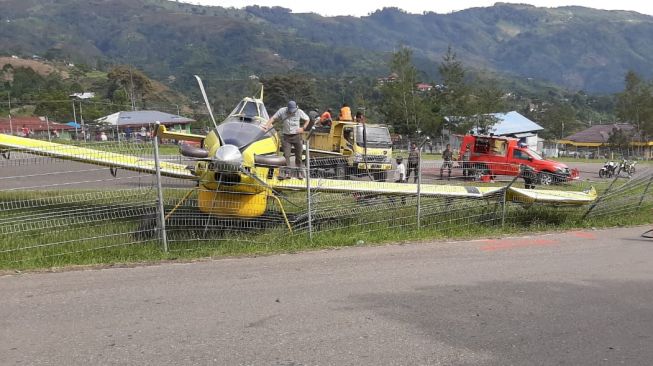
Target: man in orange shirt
[345, 113]
[325, 118]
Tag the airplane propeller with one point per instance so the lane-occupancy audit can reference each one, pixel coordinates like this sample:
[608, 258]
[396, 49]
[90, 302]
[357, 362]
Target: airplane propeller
[227, 156]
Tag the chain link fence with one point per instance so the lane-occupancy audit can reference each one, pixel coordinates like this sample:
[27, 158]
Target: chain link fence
[52, 210]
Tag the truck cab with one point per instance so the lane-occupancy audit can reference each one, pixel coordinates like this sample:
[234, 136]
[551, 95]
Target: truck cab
[496, 155]
[353, 148]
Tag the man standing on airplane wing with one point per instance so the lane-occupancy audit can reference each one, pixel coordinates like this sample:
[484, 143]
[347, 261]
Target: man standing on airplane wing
[292, 118]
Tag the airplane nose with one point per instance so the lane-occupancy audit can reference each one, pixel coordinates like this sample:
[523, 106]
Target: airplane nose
[228, 157]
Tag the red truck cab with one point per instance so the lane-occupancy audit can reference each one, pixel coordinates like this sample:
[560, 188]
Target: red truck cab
[496, 155]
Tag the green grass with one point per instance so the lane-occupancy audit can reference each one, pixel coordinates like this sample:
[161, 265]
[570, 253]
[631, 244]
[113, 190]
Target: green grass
[96, 75]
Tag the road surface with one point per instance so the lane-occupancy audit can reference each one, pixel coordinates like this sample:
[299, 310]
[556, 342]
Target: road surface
[576, 298]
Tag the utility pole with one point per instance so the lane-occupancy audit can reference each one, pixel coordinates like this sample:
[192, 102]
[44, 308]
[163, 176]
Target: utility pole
[131, 81]
[47, 121]
[11, 126]
[81, 119]
[74, 113]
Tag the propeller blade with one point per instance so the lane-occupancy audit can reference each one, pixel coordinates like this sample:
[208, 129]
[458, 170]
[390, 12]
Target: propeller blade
[206, 100]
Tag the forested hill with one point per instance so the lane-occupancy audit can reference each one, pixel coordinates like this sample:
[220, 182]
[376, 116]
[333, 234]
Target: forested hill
[575, 47]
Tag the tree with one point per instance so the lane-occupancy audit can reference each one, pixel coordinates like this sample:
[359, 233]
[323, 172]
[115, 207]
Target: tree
[132, 81]
[402, 106]
[634, 104]
[282, 88]
[618, 139]
[559, 120]
[454, 93]
[53, 104]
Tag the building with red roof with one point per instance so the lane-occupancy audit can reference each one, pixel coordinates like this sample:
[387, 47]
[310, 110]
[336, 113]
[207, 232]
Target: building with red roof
[38, 127]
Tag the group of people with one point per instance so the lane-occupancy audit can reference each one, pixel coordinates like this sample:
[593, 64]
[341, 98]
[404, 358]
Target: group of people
[294, 122]
[326, 118]
[402, 173]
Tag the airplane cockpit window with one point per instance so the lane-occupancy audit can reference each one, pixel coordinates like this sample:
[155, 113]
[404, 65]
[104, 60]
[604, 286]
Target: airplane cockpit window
[250, 110]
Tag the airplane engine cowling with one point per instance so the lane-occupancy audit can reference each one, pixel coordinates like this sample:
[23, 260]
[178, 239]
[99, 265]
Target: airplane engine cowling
[228, 157]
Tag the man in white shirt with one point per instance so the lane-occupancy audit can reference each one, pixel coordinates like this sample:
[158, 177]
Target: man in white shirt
[291, 117]
[400, 172]
[400, 177]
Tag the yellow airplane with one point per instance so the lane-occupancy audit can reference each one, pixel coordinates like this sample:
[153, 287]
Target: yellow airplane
[238, 162]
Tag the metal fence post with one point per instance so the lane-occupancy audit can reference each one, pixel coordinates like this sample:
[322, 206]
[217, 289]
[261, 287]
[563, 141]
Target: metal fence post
[308, 185]
[505, 199]
[419, 183]
[161, 222]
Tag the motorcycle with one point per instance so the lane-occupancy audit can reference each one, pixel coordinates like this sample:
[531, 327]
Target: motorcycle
[627, 166]
[608, 169]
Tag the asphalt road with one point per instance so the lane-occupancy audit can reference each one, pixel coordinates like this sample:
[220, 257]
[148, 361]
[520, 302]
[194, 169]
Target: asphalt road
[577, 298]
[29, 172]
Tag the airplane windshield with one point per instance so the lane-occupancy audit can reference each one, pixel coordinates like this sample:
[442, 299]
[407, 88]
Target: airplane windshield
[250, 110]
[241, 133]
[377, 137]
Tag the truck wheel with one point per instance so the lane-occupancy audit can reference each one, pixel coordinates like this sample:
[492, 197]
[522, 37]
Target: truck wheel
[479, 171]
[545, 178]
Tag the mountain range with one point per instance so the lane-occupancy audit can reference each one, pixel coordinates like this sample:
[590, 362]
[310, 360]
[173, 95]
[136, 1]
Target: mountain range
[573, 47]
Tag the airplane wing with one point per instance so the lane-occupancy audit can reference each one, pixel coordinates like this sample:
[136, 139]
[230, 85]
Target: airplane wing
[163, 132]
[91, 156]
[437, 190]
[551, 196]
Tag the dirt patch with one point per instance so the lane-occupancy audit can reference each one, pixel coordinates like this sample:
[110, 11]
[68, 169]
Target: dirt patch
[39, 67]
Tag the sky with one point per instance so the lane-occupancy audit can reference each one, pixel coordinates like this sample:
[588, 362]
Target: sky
[364, 7]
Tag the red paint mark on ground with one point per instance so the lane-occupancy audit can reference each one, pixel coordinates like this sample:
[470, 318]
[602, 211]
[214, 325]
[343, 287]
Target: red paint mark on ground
[516, 243]
[583, 234]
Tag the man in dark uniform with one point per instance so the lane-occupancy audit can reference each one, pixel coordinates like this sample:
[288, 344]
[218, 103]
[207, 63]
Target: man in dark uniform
[413, 162]
[467, 156]
[447, 156]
